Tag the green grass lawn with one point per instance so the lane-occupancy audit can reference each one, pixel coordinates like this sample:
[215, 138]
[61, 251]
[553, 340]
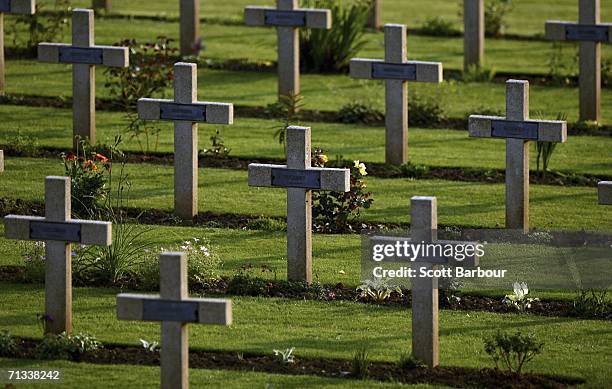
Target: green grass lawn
[334, 329]
[460, 203]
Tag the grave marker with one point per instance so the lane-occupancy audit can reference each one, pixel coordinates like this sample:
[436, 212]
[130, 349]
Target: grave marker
[185, 111]
[299, 178]
[374, 19]
[396, 70]
[14, 7]
[174, 309]
[106, 5]
[591, 34]
[1, 161]
[287, 17]
[83, 54]
[605, 192]
[190, 27]
[518, 130]
[473, 33]
[58, 230]
[423, 228]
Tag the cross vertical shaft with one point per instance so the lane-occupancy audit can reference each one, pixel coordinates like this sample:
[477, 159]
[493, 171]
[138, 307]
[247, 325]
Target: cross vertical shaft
[474, 33]
[299, 209]
[517, 158]
[58, 273]
[186, 144]
[2, 64]
[396, 96]
[190, 25]
[288, 54]
[83, 79]
[423, 228]
[590, 65]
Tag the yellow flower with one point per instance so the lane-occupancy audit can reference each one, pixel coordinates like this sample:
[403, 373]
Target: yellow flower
[323, 158]
[362, 168]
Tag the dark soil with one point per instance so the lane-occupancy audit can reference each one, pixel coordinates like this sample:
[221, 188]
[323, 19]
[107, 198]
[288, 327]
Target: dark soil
[458, 377]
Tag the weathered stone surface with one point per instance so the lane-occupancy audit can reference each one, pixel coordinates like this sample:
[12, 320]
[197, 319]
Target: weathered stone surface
[474, 33]
[605, 192]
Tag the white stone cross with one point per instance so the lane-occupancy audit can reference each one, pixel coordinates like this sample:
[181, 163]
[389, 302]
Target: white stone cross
[605, 192]
[1, 161]
[288, 17]
[518, 130]
[84, 55]
[473, 33]
[396, 70]
[174, 309]
[15, 7]
[58, 230]
[299, 178]
[423, 229]
[591, 34]
[189, 26]
[185, 111]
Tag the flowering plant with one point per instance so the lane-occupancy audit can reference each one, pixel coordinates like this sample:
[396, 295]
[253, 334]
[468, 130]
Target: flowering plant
[519, 299]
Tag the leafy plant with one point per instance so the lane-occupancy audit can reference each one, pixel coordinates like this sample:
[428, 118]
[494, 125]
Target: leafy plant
[151, 347]
[592, 303]
[267, 224]
[512, 351]
[561, 66]
[496, 12]
[245, 282]
[335, 211]
[425, 111]
[408, 361]
[285, 356]
[519, 299]
[218, 148]
[23, 145]
[377, 290]
[360, 365]
[331, 50]
[438, 26]
[413, 170]
[41, 26]
[478, 74]
[545, 150]
[8, 344]
[287, 108]
[356, 112]
[66, 346]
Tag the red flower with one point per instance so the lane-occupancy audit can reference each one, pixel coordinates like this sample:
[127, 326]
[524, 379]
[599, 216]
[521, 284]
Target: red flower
[91, 165]
[101, 158]
[70, 156]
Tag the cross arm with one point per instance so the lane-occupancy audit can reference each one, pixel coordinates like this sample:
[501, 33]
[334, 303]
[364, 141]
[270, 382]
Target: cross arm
[420, 71]
[571, 31]
[471, 259]
[279, 176]
[18, 6]
[604, 189]
[161, 109]
[77, 231]
[112, 56]
[192, 310]
[302, 17]
[499, 127]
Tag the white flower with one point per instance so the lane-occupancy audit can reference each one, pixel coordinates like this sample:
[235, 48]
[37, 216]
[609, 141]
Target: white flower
[362, 168]
[205, 251]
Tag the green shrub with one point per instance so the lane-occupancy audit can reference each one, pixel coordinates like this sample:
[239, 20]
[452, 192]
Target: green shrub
[267, 224]
[287, 108]
[35, 261]
[41, 26]
[545, 150]
[496, 12]
[8, 344]
[512, 351]
[592, 303]
[424, 111]
[407, 361]
[438, 26]
[478, 74]
[412, 170]
[66, 346]
[360, 365]
[23, 145]
[356, 112]
[246, 283]
[331, 50]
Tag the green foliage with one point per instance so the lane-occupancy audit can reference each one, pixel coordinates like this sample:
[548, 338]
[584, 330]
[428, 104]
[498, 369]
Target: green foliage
[331, 50]
[336, 211]
[246, 283]
[287, 107]
[496, 12]
[545, 150]
[512, 351]
[478, 74]
[377, 291]
[66, 346]
[41, 26]
[267, 224]
[356, 112]
[519, 299]
[412, 170]
[23, 145]
[592, 303]
[360, 365]
[34, 259]
[8, 344]
[606, 72]
[149, 72]
[561, 66]
[285, 356]
[425, 111]
[218, 148]
[437, 26]
[407, 361]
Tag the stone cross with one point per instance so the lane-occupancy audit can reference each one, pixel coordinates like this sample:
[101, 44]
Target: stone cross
[174, 309]
[288, 17]
[106, 5]
[16, 7]
[299, 178]
[374, 18]
[518, 130]
[58, 230]
[185, 111]
[423, 229]
[1, 161]
[189, 26]
[84, 55]
[590, 33]
[605, 192]
[473, 33]
[396, 70]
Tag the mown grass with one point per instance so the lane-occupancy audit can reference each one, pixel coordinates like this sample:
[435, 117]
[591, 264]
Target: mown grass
[334, 329]
[220, 190]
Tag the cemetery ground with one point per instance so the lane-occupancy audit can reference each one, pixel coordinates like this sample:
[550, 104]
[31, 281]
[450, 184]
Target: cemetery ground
[245, 227]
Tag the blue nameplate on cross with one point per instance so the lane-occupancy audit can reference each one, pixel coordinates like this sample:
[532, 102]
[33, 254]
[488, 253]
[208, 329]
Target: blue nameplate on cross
[87, 56]
[167, 310]
[386, 71]
[184, 112]
[285, 18]
[294, 178]
[513, 129]
[588, 33]
[63, 232]
[5, 5]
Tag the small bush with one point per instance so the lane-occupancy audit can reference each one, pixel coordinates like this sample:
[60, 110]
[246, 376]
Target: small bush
[424, 111]
[496, 12]
[23, 145]
[8, 344]
[360, 365]
[413, 170]
[41, 26]
[356, 112]
[545, 150]
[287, 108]
[331, 50]
[478, 74]
[407, 361]
[592, 303]
[267, 224]
[246, 282]
[66, 346]
[512, 351]
[438, 26]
